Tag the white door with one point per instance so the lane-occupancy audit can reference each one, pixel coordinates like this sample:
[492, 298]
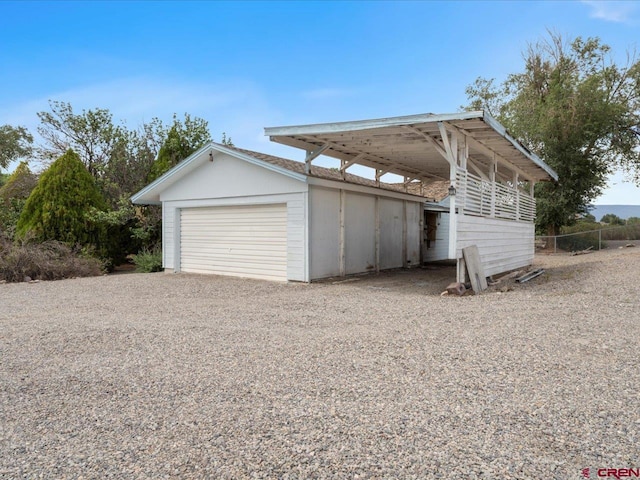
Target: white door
[243, 241]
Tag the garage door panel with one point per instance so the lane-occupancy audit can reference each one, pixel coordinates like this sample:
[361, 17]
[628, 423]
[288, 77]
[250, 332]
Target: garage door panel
[247, 241]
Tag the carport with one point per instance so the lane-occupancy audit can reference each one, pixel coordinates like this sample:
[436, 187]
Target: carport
[491, 176]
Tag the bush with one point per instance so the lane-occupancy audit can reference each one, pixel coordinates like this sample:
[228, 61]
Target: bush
[50, 260]
[56, 208]
[148, 261]
[577, 242]
[627, 232]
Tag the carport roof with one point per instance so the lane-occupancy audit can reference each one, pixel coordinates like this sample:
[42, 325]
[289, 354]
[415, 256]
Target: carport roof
[409, 145]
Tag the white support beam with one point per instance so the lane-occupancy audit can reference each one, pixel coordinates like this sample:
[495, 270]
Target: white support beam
[454, 149]
[344, 164]
[380, 173]
[517, 192]
[315, 153]
[439, 148]
[472, 142]
[447, 146]
[493, 167]
[376, 161]
[408, 180]
[477, 170]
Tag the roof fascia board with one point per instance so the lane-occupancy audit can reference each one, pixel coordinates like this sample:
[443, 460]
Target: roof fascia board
[493, 123]
[383, 192]
[320, 128]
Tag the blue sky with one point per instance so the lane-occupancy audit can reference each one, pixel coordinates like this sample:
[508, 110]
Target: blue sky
[243, 66]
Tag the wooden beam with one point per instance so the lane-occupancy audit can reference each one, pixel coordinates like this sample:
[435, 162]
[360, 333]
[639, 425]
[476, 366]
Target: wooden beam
[429, 139]
[447, 146]
[315, 153]
[408, 180]
[476, 169]
[487, 151]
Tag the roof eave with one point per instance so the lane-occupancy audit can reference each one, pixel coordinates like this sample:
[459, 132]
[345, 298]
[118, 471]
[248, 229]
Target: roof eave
[320, 128]
[150, 195]
[498, 127]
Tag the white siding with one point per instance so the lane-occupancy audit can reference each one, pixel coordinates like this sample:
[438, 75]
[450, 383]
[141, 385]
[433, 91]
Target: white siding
[297, 238]
[245, 241]
[229, 177]
[391, 236]
[414, 234]
[324, 232]
[440, 247]
[360, 231]
[168, 214]
[503, 244]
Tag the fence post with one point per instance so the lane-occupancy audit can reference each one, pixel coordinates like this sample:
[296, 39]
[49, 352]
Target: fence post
[555, 244]
[600, 239]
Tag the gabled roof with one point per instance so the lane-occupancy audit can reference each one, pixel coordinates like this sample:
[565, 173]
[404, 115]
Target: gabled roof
[410, 145]
[150, 194]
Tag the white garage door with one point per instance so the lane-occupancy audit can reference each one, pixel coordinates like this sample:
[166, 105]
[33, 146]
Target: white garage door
[245, 241]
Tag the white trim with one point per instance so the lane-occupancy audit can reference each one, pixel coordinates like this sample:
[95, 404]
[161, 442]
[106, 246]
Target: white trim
[291, 135]
[182, 168]
[307, 239]
[176, 239]
[352, 187]
[493, 123]
[320, 128]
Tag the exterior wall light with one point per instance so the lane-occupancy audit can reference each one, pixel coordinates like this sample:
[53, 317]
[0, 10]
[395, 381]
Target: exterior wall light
[452, 191]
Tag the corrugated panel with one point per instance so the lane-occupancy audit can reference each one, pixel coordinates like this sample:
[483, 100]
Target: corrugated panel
[243, 241]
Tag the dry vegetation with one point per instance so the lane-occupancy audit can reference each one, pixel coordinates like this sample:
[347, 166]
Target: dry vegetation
[50, 260]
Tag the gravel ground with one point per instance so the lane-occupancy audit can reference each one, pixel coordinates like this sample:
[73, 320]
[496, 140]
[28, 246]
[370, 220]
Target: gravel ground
[185, 376]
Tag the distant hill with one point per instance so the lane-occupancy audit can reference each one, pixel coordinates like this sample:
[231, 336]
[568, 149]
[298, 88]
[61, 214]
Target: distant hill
[622, 211]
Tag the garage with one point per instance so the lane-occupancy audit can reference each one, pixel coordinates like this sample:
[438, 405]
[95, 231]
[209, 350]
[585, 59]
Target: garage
[246, 241]
[230, 211]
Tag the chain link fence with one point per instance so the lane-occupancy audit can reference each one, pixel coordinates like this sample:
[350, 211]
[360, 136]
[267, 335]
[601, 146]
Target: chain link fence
[610, 237]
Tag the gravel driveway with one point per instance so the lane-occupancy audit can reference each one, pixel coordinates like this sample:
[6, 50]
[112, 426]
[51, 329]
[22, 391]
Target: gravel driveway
[185, 376]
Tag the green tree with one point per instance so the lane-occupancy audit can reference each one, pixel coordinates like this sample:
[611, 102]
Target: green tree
[15, 143]
[612, 219]
[57, 206]
[20, 184]
[182, 140]
[633, 221]
[588, 218]
[13, 195]
[120, 160]
[578, 110]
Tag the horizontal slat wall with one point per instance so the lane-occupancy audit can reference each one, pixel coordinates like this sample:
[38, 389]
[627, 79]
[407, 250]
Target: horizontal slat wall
[503, 244]
[246, 241]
